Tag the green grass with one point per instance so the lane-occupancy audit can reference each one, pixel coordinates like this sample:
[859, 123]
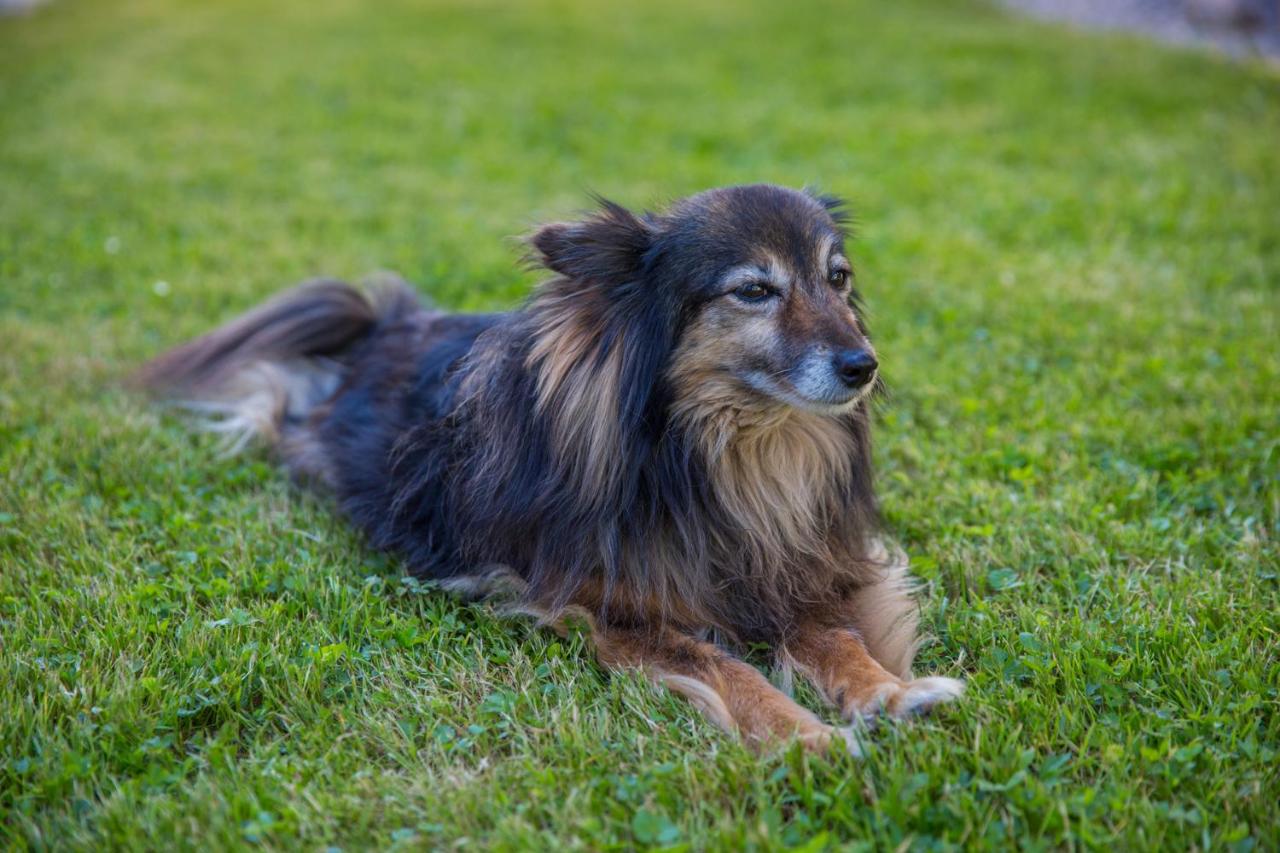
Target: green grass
[1071, 250]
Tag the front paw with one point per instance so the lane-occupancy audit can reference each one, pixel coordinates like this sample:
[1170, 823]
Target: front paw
[902, 699]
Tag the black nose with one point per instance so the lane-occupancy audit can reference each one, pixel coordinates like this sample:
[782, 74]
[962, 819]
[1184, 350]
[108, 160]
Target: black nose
[855, 367]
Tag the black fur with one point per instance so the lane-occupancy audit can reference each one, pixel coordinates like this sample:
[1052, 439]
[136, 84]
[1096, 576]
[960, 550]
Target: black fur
[437, 450]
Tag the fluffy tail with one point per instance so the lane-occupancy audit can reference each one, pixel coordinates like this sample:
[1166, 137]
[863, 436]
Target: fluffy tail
[272, 366]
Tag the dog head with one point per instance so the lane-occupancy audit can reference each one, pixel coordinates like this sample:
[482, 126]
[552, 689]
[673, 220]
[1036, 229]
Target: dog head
[769, 300]
[742, 294]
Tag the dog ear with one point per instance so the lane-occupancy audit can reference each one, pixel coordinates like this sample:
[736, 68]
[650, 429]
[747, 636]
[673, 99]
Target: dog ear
[836, 207]
[607, 247]
[602, 334]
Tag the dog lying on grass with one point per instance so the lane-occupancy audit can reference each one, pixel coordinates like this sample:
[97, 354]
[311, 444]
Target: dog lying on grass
[670, 439]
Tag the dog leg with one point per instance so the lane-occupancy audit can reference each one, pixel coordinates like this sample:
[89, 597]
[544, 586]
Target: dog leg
[731, 692]
[838, 663]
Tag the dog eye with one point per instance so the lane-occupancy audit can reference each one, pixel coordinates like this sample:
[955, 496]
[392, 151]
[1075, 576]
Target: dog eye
[752, 291]
[838, 278]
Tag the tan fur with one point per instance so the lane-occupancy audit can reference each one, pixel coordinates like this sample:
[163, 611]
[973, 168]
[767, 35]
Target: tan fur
[730, 692]
[885, 613]
[701, 695]
[837, 662]
[778, 470]
[579, 392]
[734, 694]
[253, 402]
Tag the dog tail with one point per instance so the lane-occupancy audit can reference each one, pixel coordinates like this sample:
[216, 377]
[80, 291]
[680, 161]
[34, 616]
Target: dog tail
[273, 366]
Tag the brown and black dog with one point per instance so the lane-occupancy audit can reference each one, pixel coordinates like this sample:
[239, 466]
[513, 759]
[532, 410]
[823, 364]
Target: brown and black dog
[670, 439]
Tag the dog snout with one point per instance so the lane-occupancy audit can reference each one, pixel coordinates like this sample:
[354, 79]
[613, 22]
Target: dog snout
[855, 367]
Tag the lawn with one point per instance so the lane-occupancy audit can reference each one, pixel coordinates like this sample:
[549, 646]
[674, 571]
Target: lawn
[1070, 246]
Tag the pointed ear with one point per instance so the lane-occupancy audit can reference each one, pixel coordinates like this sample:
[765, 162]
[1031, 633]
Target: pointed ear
[608, 246]
[835, 207]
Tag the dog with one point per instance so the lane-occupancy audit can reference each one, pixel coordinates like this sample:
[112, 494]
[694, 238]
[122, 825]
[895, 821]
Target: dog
[669, 441]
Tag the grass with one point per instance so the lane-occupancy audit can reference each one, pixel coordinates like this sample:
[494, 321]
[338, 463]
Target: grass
[1071, 250]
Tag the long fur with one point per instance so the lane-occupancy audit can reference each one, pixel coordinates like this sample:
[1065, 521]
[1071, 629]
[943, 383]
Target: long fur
[579, 443]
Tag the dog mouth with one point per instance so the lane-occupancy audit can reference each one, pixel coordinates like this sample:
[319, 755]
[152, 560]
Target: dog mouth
[831, 400]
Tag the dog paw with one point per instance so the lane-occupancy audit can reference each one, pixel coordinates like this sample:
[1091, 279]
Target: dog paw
[851, 739]
[900, 700]
[822, 742]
